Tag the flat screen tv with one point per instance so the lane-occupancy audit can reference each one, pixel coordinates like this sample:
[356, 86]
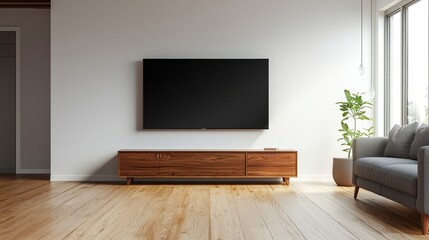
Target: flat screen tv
[205, 94]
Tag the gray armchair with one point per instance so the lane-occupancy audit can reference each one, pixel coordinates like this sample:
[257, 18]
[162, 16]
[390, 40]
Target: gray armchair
[403, 180]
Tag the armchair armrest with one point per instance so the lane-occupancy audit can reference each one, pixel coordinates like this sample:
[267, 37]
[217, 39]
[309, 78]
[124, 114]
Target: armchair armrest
[423, 180]
[368, 147]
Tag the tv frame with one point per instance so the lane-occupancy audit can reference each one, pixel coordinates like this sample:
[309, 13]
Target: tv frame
[184, 128]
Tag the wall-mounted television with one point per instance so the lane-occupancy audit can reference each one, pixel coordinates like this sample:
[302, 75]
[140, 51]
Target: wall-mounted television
[205, 93]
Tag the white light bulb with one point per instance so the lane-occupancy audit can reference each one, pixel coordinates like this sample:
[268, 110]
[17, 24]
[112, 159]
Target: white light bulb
[371, 93]
[361, 69]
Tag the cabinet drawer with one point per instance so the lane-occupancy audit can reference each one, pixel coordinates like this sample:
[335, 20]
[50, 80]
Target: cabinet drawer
[202, 164]
[138, 164]
[271, 164]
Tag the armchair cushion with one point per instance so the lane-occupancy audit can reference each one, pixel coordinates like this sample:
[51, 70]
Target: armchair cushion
[397, 173]
[421, 139]
[400, 139]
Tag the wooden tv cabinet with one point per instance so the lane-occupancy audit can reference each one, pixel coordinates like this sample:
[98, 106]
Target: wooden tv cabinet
[207, 164]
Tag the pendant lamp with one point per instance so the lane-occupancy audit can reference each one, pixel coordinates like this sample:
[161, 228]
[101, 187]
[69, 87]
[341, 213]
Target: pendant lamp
[371, 91]
[361, 69]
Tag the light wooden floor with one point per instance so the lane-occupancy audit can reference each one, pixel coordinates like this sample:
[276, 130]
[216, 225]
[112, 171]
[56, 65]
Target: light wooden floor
[31, 207]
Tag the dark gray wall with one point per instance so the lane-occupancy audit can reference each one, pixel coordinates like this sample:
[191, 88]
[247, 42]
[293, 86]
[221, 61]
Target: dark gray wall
[7, 101]
[34, 64]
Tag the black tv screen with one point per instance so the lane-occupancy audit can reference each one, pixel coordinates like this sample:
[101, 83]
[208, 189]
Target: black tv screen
[205, 93]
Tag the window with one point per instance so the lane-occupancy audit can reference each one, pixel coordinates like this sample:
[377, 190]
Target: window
[395, 80]
[406, 61]
[417, 105]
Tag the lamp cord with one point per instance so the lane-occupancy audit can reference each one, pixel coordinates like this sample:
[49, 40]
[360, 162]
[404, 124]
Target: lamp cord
[371, 48]
[361, 32]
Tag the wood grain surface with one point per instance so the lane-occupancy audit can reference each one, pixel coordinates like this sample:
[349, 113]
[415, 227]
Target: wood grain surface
[32, 207]
[202, 164]
[271, 164]
[134, 163]
[138, 164]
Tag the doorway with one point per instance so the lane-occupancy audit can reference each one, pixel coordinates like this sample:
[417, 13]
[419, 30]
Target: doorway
[8, 100]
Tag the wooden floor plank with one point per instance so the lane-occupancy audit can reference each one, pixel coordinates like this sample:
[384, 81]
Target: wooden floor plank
[100, 225]
[173, 214]
[12, 180]
[402, 210]
[127, 215]
[312, 221]
[278, 223]
[31, 207]
[390, 217]
[252, 223]
[355, 225]
[65, 217]
[23, 216]
[390, 225]
[224, 219]
[155, 212]
[21, 186]
[196, 224]
[33, 196]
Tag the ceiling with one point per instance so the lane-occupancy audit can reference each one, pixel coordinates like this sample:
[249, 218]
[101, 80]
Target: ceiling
[25, 4]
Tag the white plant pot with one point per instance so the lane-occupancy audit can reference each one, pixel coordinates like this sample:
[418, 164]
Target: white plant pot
[342, 170]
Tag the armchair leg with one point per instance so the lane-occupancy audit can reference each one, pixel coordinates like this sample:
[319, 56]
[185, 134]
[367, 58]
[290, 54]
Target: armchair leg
[356, 191]
[425, 223]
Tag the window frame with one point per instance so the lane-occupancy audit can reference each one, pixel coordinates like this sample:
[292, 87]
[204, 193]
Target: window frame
[403, 8]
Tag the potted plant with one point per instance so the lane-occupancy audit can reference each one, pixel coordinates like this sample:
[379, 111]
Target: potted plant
[353, 112]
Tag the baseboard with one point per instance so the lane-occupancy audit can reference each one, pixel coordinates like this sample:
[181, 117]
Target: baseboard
[33, 171]
[313, 178]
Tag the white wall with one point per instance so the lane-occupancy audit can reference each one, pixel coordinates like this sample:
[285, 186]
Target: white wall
[97, 47]
[34, 27]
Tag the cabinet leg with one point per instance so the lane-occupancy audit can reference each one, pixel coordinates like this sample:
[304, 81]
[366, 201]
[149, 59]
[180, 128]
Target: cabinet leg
[285, 181]
[129, 180]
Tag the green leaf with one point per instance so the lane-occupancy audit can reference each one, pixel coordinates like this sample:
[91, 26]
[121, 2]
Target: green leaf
[348, 96]
[353, 112]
